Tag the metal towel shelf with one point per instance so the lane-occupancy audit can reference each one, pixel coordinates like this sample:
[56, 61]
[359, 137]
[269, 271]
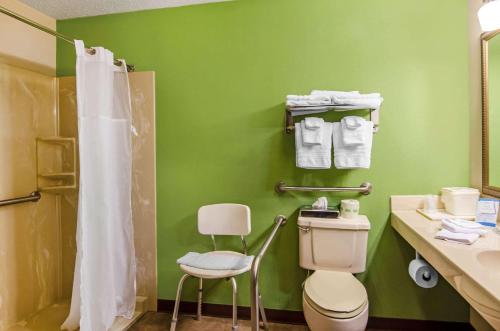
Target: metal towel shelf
[33, 197]
[364, 188]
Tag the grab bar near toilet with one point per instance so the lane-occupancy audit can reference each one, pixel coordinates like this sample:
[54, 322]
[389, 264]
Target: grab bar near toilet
[255, 302]
[364, 188]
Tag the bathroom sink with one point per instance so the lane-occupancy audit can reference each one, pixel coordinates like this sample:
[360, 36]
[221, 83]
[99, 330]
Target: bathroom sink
[490, 260]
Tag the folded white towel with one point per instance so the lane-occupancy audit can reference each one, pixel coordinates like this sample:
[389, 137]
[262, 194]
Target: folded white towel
[463, 238]
[370, 103]
[311, 136]
[463, 226]
[313, 122]
[331, 94]
[216, 261]
[321, 203]
[314, 156]
[353, 130]
[352, 157]
[307, 100]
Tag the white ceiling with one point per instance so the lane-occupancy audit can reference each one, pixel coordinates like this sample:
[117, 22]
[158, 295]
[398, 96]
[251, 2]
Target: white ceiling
[63, 9]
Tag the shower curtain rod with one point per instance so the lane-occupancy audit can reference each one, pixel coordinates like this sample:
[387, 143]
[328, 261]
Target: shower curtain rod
[130, 67]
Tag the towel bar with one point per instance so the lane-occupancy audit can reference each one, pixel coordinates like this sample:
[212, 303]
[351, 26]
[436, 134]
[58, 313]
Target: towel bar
[33, 197]
[364, 188]
[290, 124]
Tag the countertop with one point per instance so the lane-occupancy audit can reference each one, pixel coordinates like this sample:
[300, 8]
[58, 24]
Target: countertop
[473, 270]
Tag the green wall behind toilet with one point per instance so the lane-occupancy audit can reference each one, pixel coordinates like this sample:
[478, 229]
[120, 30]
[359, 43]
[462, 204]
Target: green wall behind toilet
[222, 73]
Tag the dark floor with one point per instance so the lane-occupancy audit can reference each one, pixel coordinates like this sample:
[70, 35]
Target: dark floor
[152, 321]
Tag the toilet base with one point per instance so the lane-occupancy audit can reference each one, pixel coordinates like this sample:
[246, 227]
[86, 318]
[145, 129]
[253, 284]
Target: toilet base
[319, 322]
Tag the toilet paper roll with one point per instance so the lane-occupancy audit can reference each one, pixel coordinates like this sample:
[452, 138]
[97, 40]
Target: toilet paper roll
[423, 274]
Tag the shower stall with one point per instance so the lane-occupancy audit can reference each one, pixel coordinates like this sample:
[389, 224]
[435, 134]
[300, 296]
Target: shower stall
[39, 152]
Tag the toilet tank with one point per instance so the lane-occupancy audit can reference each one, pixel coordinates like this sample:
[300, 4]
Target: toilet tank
[333, 244]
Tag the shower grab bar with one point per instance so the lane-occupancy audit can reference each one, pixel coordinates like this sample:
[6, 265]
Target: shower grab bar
[364, 188]
[255, 302]
[33, 197]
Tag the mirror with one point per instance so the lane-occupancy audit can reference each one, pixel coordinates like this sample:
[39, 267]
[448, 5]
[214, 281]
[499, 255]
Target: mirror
[491, 112]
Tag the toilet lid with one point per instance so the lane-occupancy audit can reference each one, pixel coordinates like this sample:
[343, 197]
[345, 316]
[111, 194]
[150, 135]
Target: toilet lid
[335, 291]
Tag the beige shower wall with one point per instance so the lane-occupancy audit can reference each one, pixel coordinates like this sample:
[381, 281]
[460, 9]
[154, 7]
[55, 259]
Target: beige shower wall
[142, 86]
[23, 45]
[30, 255]
[37, 240]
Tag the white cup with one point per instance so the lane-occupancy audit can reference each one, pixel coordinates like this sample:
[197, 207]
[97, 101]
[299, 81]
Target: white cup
[349, 208]
[430, 203]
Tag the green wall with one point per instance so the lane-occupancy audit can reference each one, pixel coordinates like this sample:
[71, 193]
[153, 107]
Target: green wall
[223, 71]
[494, 110]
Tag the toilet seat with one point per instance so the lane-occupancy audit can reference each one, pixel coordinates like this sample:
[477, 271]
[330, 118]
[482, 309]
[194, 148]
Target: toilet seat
[335, 294]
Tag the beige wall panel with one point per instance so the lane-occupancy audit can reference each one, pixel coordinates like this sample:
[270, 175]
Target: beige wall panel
[29, 233]
[68, 127]
[23, 45]
[142, 86]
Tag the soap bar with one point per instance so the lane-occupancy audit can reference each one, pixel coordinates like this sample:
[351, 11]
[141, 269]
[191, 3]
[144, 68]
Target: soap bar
[487, 211]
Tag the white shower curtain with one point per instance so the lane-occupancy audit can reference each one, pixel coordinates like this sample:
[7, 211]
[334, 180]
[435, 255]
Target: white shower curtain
[104, 283]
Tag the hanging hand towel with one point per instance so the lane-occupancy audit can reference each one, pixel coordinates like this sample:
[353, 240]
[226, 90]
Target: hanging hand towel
[314, 156]
[352, 157]
[313, 136]
[463, 238]
[353, 130]
[313, 122]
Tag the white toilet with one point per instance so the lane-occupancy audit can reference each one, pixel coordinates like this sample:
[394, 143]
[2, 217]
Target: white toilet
[333, 299]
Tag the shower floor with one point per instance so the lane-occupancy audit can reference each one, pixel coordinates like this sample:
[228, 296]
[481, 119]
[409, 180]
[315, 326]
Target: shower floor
[52, 317]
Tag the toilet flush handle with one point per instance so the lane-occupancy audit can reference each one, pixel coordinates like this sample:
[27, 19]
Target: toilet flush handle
[304, 228]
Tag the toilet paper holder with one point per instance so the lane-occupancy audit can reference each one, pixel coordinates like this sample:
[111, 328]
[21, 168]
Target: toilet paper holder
[422, 273]
[427, 274]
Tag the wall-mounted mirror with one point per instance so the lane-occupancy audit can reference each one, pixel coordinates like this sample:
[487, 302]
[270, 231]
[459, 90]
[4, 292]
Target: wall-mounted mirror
[491, 112]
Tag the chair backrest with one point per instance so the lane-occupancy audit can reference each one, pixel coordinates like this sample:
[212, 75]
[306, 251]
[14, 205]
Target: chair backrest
[224, 219]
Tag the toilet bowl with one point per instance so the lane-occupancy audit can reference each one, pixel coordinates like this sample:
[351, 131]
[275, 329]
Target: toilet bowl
[335, 301]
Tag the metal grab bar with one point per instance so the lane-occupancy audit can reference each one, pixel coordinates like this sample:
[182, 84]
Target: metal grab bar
[33, 197]
[364, 188]
[279, 221]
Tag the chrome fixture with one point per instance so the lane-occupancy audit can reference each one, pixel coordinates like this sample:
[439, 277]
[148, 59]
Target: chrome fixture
[33, 197]
[255, 300]
[364, 188]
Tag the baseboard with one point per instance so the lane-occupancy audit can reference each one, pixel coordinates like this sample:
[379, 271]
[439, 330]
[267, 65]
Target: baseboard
[218, 310]
[297, 317]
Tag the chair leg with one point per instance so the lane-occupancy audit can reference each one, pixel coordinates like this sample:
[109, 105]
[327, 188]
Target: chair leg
[263, 314]
[235, 304]
[200, 299]
[173, 323]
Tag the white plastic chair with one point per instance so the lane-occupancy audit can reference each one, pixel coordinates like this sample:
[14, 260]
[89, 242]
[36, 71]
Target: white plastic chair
[218, 219]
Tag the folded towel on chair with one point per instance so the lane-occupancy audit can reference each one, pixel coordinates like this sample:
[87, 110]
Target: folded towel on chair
[216, 261]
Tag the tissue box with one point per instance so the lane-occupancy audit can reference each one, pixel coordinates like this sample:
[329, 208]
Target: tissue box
[460, 200]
